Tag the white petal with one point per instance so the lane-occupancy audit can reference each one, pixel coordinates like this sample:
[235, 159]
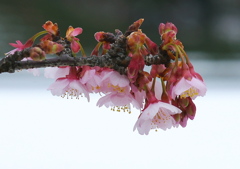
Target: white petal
[181, 87]
[196, 83]
[55, 72]
[58, 87]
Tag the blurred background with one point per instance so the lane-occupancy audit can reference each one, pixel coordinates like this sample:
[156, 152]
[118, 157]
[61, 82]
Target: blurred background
[209, 26]
[38, 130]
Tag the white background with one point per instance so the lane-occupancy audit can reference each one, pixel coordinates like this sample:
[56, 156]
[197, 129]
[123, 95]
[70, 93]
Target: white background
[40, 131]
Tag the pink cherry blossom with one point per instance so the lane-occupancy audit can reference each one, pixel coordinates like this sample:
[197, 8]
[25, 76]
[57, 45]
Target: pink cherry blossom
[70, 85]
[113, 81]
[117, 91]
[156, 115]
[192, 88]
[119, 101]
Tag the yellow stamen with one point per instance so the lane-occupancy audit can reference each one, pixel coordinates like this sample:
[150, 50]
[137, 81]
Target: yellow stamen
[71, 93]
[121, 108]
[116, 88]
[189, 93]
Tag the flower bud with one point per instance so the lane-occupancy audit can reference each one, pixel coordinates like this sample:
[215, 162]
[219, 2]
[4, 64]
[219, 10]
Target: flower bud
[51, 47]
[37, 54]
[191, 109]
[164, 28]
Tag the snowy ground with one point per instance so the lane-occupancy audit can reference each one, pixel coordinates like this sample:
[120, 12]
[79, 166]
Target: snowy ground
[38, 130]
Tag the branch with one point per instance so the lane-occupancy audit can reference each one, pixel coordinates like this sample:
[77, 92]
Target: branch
[116, 58]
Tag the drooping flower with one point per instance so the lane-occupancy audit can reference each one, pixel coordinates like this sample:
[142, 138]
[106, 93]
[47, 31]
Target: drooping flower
[189, 88]
[185, 84]
[117, 91]
[118, 101]
[156, 114]
[69, 86]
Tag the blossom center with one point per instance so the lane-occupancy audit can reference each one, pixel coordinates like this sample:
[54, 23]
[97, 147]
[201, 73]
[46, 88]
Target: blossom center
[190, 93]
[116, 88]
[96, 87]
[160, 118]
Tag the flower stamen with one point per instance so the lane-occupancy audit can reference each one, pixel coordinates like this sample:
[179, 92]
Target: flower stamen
[189, 93]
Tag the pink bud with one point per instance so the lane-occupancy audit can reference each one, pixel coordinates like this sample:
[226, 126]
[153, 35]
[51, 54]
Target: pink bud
[75, 46]
[98, 36]
[51, 47]
[37, 54]
[161, 28]
[164, 28]
[191, 109]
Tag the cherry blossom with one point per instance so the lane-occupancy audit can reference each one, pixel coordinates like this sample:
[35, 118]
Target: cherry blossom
[156, 115]
[191, 88]
[69, 86]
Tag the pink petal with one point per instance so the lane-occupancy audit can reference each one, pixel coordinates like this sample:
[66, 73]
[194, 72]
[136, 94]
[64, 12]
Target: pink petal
[119, 99]
[17, 45]
[105, 100]
[87, 76]
[199, 85]
[76, 31]
[75, 47]
[181, 86]
[145, 121]
[58, 87]
[55, 72]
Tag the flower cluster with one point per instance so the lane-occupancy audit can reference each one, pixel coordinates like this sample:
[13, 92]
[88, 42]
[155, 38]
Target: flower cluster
[164, 95]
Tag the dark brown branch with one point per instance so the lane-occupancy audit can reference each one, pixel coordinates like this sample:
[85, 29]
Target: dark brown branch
[10, 65]
[116, 58]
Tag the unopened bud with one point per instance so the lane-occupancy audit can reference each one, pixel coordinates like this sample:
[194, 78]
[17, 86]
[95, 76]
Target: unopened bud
[51, 47]
[37, 54]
